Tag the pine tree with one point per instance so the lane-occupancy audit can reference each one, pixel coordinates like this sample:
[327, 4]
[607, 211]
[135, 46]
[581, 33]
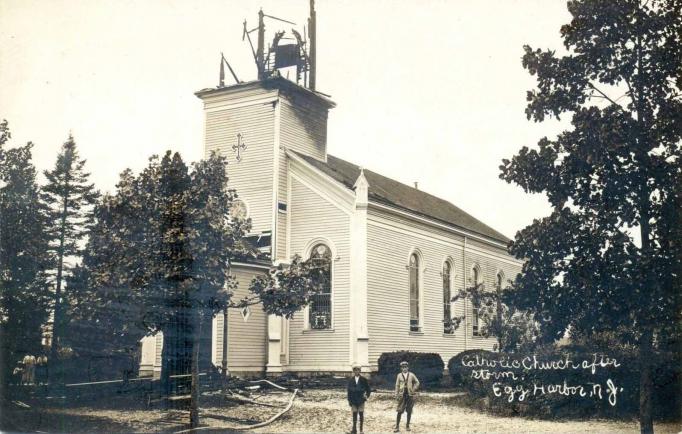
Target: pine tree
[24, 291]
[71, 199]
[608, 258]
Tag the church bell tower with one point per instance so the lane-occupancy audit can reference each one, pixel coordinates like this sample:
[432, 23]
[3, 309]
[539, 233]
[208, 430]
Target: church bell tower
[253, 124]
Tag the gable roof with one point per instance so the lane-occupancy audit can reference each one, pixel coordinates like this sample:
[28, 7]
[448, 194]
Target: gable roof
[390, 192]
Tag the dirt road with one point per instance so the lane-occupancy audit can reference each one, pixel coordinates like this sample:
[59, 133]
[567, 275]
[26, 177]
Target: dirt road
[317, 411]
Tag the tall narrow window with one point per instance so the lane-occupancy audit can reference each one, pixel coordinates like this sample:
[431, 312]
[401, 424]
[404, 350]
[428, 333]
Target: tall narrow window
[475, 322]
[498, 287]
[447, 296]
[320, 311]
[414, 293]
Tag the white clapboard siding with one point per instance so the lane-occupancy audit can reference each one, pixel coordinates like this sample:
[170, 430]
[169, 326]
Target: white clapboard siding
[148, 355]
[313, 217]
[235, 96]
[281, 236]
[489, 269]
[252, 177]
[247, 340]
[282, 216]
[390, 240]
[304, 128]
[158, 342]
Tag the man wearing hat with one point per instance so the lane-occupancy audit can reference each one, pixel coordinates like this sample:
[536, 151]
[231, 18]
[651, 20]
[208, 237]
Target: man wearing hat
[406, 386]
[358, 393]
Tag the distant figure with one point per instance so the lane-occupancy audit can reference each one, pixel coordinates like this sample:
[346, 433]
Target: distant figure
[358, 393]
[29, 369]
[406, 387]
[41, 369]
[19, 373]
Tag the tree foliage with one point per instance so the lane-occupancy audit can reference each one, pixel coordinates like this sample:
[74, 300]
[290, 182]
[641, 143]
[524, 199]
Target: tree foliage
[24, 291]
[158, 259]
[288, 287]
[160, 250]
[71, 199]
[608, 257]
[164, 243]
[515, 329]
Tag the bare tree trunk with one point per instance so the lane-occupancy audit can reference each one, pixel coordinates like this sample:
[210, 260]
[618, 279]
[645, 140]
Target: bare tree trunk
[646, 422]
[166, 349]
[194, 402]
[646, 386]
[57, 313]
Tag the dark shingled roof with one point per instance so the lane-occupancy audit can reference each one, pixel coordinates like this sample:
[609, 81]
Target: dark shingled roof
[391, 192]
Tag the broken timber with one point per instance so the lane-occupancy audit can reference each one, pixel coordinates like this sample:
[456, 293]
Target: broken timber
[257, 425]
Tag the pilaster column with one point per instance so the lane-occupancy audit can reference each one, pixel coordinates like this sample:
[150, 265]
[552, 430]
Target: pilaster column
[359, 345]
[274, 344]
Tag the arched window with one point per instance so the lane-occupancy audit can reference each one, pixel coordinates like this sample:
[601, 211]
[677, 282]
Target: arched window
[500, 280]
[320, 311]
[413, 267]
[475, 275]
[476, 321]
[447, 296]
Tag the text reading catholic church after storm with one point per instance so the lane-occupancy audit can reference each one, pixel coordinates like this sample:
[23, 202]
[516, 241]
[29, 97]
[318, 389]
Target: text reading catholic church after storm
[394, 255]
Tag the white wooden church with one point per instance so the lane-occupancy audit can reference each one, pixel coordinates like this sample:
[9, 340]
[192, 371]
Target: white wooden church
[395, 255]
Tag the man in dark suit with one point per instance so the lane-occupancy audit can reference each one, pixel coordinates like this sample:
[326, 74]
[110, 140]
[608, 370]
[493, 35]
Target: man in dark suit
[358, 393]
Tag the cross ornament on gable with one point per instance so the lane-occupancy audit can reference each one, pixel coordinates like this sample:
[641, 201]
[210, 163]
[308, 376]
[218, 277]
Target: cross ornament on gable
[239, 146]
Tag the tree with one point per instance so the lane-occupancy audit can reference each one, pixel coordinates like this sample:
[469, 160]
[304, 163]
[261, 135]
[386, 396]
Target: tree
[287, 287]
[71, 200]
[608, 256]
[24, 291]
[105, 302]
[159, 259]
[515, 329]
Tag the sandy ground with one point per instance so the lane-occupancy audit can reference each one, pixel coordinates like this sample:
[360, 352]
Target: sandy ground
[316, 411]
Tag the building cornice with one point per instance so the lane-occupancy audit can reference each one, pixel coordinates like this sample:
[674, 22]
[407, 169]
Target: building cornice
[268, 84]
[435, 223]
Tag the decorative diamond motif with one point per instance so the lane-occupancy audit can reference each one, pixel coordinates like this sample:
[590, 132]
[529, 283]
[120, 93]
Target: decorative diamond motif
[238, 210]
[246, 313]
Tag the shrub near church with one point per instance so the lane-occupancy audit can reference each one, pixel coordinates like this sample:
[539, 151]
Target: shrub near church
[428, 367]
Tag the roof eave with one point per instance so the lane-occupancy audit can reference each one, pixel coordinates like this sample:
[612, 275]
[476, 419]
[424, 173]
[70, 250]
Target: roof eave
[274, 82]
[434, 220]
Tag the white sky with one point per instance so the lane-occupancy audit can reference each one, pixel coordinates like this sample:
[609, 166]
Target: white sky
[428, 91]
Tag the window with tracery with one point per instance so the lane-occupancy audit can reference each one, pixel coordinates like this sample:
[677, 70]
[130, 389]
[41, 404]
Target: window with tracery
[320, 307]
[476, 320]
[413, 267]
[447, 296]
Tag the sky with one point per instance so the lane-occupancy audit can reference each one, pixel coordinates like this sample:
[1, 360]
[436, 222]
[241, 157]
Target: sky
[427, 91]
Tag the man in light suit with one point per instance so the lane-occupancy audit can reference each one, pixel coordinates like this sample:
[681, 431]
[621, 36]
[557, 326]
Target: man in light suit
[406, 387]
